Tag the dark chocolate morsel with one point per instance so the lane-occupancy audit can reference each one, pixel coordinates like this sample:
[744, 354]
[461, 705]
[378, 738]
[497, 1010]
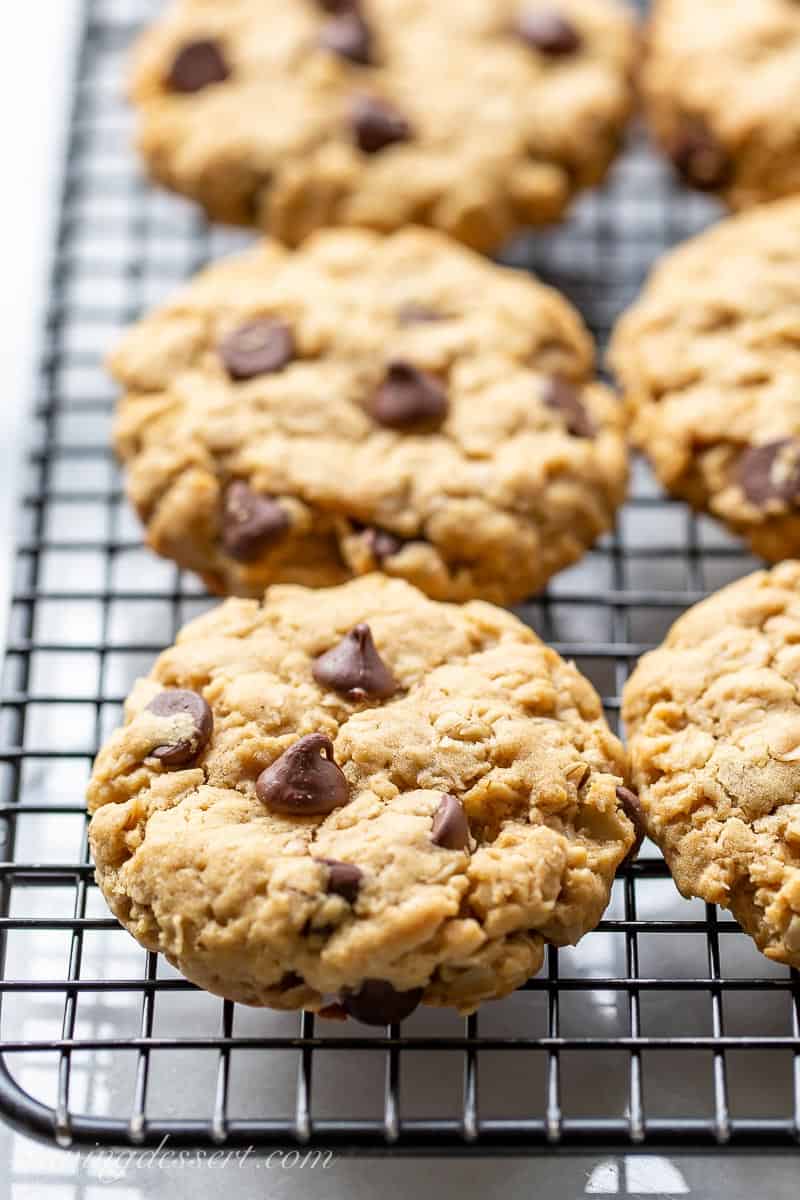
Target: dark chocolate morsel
[196, 66]
[381, 543]
[377, 124]
[289, 981]
[355, 668]
[333, 1012]
[450, 828]
[348, 35]
[378, 1003]
[250, 523]
[771, 472]
[344, 879]
[177, 702]
[408, 397]
[305, 781]
[258, 348]
[562, 397]
[549, 32]
[699, 158]
[632, 808]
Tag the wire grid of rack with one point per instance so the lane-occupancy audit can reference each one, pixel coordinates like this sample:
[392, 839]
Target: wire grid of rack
[663, 1028]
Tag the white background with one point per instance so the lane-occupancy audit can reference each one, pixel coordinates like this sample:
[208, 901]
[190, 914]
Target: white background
[38, 38]
[38, 44]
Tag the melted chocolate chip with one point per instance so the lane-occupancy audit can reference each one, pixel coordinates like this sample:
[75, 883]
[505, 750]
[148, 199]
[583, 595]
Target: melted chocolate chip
[562, 397]
[339, 6]
[381, 543]
[176, 702]
[771, 472]
[261, 347]
[344, 879]
[408, 397]
[289, 981]
[450, 828]
[355, 668]
[250, 523]
[547, 31]
[377, 124]
[378, 1003]
[305, 781]
[196, 66]
[333, 1012]
[349, 36]
[632, 808]
[700, 159]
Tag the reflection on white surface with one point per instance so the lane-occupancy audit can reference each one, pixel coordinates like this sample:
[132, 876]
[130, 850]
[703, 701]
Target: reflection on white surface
[637, 1176]
[604, 1179]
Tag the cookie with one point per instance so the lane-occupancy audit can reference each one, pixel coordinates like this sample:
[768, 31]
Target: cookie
[709, 361]
[718, 81]
[472, 116]
[361, 798]
[367, 403]
[713, 718]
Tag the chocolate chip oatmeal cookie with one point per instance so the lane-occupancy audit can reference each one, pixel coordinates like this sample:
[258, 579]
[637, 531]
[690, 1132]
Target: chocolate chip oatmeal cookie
[714, 724]
[473, 116]
[366, 402]
[709, 360]
[357, 799]
[721, 82]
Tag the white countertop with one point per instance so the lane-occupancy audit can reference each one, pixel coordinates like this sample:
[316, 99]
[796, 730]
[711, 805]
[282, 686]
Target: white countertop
[33, 89]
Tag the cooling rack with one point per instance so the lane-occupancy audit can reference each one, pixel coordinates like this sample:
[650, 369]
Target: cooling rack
[663, 1028]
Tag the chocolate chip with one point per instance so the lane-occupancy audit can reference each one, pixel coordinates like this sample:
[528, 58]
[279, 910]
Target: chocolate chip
[378, 1003]
[176, 702]
[250, 523]
[408, 397]
[450, 828]
[699, 157]
[339, 6]
[549, 32]
[349, 36]
[305, 781]
[771, 472]
[344, 879]
[632, 807]
[381, 543]
[377, 124]
[196, 66]
[562, 397]
[261, 347]
[418, 314]
[289, 981]
[333, 1012]
[355, 668]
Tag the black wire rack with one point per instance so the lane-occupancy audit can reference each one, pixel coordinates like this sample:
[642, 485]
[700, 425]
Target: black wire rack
[664, 1028]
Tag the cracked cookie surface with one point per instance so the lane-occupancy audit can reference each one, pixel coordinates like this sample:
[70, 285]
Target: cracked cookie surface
[369, 403]
[739, 140]
[473, 116]
[713, 718]
[708, 360]
[378, 799]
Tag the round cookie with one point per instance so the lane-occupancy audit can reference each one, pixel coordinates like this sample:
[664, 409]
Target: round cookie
[709, 362]
[713, 719]
[472, 116]
[719, 82]
[377, 800]
[367, 403]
